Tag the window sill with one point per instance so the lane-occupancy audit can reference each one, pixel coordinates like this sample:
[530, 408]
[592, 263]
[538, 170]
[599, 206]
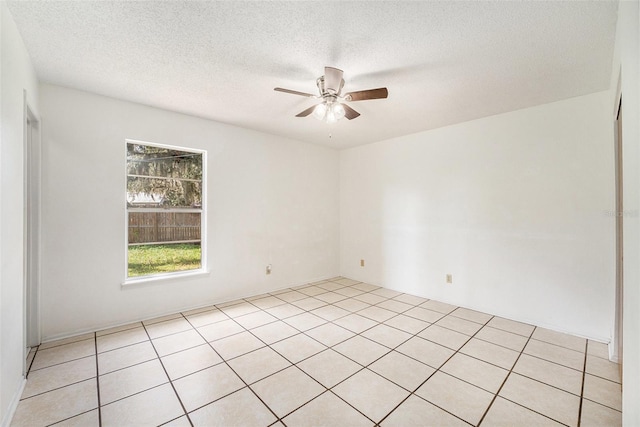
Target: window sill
[147, 280]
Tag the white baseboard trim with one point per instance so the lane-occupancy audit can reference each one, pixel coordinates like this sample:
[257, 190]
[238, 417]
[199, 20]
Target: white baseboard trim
[82, 331]
[613, 352]
[11, 410]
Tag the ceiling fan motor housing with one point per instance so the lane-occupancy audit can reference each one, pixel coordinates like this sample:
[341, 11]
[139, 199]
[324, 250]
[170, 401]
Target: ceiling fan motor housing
[324, 92]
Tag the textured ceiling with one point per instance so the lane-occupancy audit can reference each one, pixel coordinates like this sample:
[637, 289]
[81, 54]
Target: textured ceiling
[443, 62]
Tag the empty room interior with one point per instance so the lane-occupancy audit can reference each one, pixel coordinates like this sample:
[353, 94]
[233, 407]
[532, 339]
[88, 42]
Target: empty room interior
[250, 213]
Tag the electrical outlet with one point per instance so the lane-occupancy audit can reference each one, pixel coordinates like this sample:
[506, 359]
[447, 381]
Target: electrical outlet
[449, 278]
[361, 263]
[268, 269]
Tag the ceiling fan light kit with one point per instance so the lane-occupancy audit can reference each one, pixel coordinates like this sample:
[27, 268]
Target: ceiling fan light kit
[329, 112]
[333, 107]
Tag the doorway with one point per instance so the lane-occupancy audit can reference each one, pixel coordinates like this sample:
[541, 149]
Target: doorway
[31, 229]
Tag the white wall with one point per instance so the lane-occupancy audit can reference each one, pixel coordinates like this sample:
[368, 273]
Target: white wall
[270, 201]
[514, 206]
[625, 79]
[17, 75]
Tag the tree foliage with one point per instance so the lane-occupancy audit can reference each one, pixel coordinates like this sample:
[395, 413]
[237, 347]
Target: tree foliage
[171, 177]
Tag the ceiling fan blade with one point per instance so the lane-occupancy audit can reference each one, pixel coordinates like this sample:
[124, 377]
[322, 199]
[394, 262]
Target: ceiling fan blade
[363, 95]
[333, 79]
[349, 112]
[294, 92]
[306, 112]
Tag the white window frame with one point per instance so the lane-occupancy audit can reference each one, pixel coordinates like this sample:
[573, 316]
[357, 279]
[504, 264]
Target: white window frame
[203, 270]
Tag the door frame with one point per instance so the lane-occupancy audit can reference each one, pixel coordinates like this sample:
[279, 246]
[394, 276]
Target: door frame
[31, 227]
[616, 350]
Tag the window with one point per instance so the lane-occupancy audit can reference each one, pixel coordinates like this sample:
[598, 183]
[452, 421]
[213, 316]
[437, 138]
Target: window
[165, 206]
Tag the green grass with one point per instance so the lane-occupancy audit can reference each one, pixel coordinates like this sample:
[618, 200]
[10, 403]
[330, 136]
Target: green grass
[154, 259]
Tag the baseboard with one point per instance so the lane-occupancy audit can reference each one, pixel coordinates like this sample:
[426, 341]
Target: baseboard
[11, 410]
[521, 319]
[83, 331]
[613, 353]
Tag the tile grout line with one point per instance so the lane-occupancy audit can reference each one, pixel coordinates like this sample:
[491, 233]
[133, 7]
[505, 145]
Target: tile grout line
[557, 345]
[232, 370]
[327, 348]
[126, 327]
[382, 376]
[584, 374]
[559, 364]
[95, 343]
[349, 312]
[333, 304]
[170, 421]
[300, 332]
[552, 362]
[131, 365]
[543, 383]
[603, 405]
[396, 314]
[62, 363]
[133, 344]
[57, 388]
[307, 311]
[522, 351]
[66, 385]
[495, 396]
[533, 410]
[429, 324]
[168, 377]
[327, 390]
[66, 343]
[137, 393]
[68, 418]
[413, 393]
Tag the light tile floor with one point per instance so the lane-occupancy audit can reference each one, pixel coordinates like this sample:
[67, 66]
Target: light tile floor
[332, 353]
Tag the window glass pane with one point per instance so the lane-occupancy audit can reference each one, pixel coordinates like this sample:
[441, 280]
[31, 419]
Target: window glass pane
[163, 258]
[164, 204]
[160, 227]
[162, 177]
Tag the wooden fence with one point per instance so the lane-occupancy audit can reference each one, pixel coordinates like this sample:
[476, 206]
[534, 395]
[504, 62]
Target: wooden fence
[163, 227]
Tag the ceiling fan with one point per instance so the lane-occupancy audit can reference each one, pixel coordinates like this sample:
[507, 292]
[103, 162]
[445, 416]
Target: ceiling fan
[333, 107]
